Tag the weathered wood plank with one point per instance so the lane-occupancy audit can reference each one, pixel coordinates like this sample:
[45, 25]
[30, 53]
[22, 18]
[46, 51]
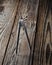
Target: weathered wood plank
[26, 9]
[41, 38]
[6, 22]
[43, 47]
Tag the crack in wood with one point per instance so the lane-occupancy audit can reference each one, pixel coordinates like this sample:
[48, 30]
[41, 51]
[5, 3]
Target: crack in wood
[47, 53]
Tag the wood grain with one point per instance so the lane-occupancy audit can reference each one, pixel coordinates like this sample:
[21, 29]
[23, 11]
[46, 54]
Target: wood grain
[6, 22]
[26, 9]
[43, 32]
[37, 17]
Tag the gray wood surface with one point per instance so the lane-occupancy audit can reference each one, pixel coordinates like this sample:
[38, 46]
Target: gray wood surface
[37, 17]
